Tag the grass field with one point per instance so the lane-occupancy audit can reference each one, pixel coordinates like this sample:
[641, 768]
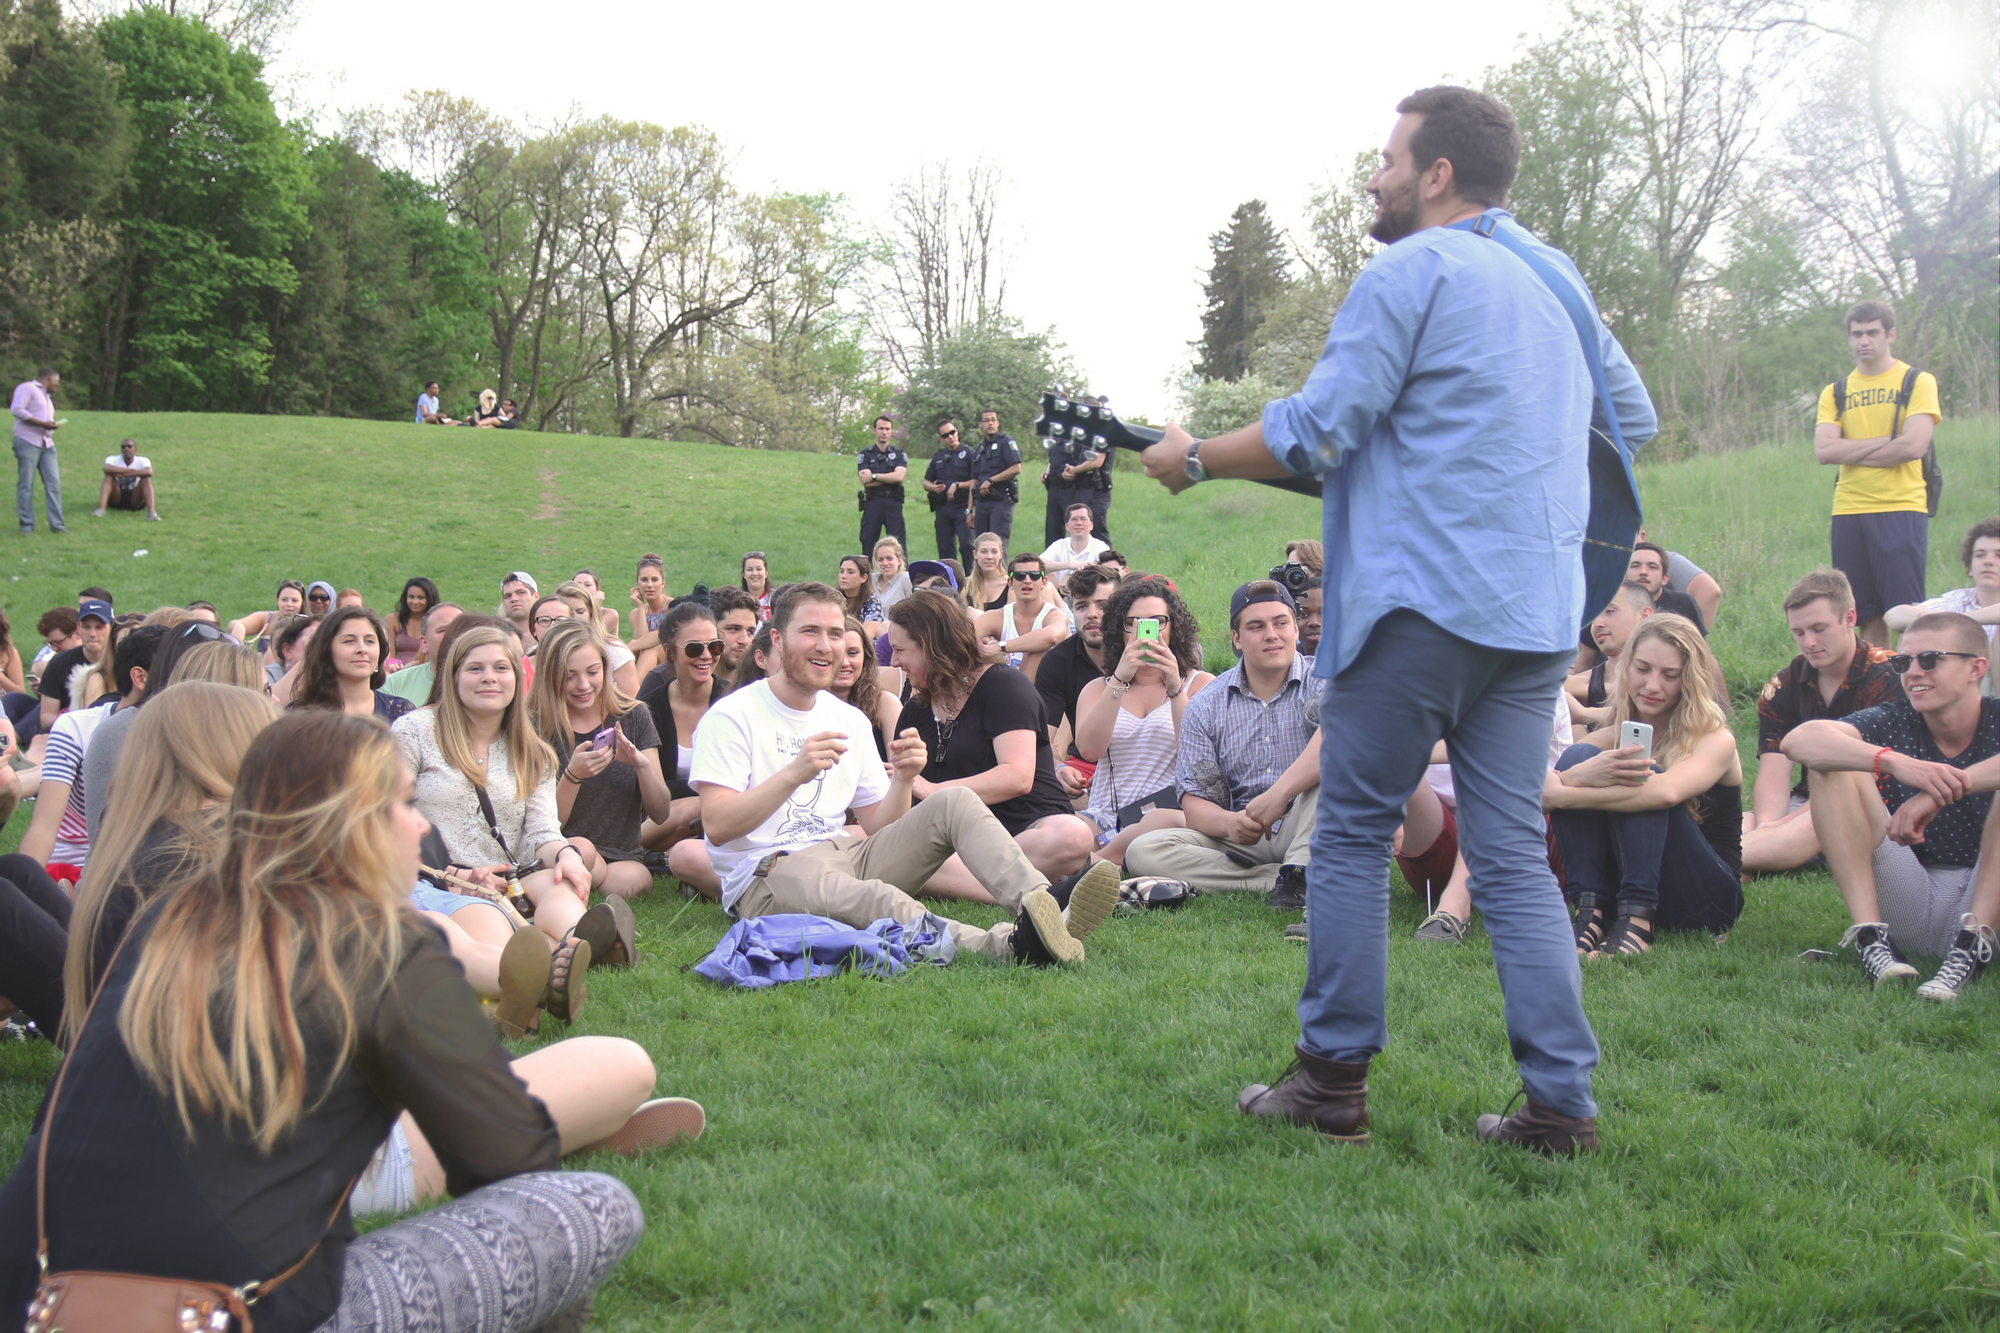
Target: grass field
[989, 1149]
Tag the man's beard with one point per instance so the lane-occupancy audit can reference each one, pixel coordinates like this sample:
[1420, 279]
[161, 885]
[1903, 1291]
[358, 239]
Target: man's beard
[1399, 216]
[803, 674]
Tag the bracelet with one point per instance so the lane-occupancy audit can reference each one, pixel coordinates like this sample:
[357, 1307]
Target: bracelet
[1117, 685]
[1878, 760]
[570, 777]
[568, 847]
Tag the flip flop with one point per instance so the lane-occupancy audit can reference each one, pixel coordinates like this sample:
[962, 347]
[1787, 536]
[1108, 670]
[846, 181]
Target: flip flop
[564, 999]
[657, 1123]
[612, 933]
[525, 966]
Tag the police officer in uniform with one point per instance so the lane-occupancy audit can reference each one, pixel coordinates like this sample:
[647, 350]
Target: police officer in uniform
[948, 479]
[881, 470]
[1074, 468]
[996, 466]
[1096, 493]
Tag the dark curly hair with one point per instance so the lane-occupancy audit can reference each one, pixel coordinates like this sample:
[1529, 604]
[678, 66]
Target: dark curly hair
[1184, 639]
[944, 635]
[1985, 527]
[319, 684]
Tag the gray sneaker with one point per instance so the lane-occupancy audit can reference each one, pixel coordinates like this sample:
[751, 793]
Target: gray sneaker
[1967, 958]
[1442, 927]
[1879, 958]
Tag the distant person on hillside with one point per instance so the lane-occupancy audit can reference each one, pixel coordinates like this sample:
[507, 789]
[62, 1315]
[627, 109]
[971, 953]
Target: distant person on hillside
[35, 449]
[1876, 424]
[488, 413]
[429, 412]
[1980, 555]
[1902, 800]
[128, 483]
[1834, 674]
[510, 414]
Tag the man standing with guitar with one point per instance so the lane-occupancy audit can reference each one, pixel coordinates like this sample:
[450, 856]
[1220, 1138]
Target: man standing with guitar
[1449, 419]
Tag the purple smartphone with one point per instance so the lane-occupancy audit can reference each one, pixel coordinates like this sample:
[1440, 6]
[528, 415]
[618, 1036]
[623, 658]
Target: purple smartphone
[603, 738]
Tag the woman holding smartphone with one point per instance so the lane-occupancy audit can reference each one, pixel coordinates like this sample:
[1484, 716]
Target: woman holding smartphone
[1129, 722]
[610, 782]
[1653, 841]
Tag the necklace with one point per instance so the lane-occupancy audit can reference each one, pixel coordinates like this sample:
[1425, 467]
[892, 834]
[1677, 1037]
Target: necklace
[945, 722]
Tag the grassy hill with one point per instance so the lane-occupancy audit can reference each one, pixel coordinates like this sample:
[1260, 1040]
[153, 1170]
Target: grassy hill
[987, 1149]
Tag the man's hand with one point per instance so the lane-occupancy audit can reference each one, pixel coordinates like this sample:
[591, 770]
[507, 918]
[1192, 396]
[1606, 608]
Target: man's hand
[1941, 782]
[907, 755]
[985, 488]
[1073, 782]
[1267, 809]
[1907, 825]
[866, 476]
[1069, 472]
[819, 753]
[1246, 828]
[1166, 462]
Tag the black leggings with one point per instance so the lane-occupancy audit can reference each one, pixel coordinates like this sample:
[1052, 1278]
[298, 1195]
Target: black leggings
[34, 939]
[1654, 863]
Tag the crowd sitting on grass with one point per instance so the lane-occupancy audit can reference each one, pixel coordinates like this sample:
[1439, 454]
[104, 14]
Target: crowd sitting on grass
[470, 800]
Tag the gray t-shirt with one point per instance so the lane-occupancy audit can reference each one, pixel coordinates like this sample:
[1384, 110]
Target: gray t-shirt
[609, 809]
[1681, 571]
[100, 761]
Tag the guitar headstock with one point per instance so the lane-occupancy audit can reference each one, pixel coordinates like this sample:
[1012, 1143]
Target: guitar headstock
[1088, 421]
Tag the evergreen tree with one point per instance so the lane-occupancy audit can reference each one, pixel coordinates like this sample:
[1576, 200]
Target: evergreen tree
[1247, 277]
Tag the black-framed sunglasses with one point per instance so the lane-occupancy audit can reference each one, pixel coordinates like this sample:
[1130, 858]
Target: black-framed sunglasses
[1900, 663]
[317, 597]
[207, 633]
[947, 435]
[1027, 575]
[691, 650]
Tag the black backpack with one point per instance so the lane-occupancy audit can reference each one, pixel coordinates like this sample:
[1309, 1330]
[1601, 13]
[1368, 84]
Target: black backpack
[1933, 474]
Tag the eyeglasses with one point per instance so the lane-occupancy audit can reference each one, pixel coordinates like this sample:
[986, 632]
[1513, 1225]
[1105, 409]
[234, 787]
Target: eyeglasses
[543, 622]
[1027, 575]
[692, 650]
[1900, 663]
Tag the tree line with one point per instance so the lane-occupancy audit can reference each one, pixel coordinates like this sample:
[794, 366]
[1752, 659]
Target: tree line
[1723, 236]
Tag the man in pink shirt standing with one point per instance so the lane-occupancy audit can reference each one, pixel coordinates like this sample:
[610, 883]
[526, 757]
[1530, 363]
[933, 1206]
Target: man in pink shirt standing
[35, 448]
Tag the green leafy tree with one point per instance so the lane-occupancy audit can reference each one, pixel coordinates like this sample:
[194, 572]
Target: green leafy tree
[996, 365]
[215, 201]
[1248, 274]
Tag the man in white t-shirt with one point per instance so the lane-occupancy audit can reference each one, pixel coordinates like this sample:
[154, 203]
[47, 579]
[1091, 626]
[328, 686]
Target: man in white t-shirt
[1076, 549]
[128, 483]
[781, 766]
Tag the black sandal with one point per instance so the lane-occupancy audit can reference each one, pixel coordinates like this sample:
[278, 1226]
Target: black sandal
[1626, 939]
[565, 995]
[1589, 923]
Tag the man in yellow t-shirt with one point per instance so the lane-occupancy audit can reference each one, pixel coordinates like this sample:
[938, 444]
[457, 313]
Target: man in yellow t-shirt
[1881, 528]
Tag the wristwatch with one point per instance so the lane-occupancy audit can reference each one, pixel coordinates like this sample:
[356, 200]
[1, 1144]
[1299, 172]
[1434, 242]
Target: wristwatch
[1195, 471]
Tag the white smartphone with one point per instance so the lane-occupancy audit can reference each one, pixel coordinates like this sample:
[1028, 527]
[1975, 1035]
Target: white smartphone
[1636, 733]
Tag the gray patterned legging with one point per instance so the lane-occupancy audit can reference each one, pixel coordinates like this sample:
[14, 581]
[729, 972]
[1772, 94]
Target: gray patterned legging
[504, 1259]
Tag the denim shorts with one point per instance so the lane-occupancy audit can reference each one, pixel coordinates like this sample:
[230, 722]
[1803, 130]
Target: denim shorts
[427, 899]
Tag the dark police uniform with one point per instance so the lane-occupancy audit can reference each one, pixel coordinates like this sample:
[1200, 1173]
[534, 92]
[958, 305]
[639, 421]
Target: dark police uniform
[1097, 494]
[953, 468]
[882, 502]
[994, 510]
[1082, 489]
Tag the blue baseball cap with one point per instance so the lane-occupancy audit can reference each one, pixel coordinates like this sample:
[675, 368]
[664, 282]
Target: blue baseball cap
[95, 606]
[1271, 592]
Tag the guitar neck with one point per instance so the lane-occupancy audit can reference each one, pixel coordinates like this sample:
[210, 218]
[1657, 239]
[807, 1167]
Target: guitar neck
[1096, 425]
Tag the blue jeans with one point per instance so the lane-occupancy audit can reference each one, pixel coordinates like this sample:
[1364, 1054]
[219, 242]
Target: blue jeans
[30, 457]
[1655, 863]
[1411, 684]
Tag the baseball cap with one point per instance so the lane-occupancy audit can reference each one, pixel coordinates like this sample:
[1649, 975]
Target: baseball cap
[522, 576]
[96, 606]
[1243, 597]
[931, 569]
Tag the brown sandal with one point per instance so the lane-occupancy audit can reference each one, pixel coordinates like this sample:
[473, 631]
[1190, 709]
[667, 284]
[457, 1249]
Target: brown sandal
[612, 933]
[567, 966]
[525, 967]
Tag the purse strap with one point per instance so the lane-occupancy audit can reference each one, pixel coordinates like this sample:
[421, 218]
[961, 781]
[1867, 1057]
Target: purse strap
[492, 823]
[250, 1291]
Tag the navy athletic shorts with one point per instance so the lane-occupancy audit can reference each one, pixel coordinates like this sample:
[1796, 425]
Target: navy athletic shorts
[1883, 556]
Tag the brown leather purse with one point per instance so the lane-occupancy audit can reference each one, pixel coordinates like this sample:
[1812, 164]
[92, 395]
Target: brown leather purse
[87, 1302]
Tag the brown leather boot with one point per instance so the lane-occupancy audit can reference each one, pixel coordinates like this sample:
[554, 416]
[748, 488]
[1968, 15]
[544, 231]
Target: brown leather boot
[1330, 1096]
[1541, 1130]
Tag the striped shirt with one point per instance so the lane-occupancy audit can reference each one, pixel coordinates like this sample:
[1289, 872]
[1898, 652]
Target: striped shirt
[1234, 746]
[63, 762]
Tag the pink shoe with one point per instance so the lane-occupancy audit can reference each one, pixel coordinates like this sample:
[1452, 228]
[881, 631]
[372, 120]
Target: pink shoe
[656, 1124]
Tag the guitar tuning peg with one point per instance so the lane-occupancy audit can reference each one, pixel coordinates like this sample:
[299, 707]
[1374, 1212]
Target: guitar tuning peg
[1061, 406]
[1098, 443]
[1079, 434]
[1084, 411]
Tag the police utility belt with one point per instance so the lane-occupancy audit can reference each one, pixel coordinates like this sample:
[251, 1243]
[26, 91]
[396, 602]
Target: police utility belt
[1001, 492]
[892, 493]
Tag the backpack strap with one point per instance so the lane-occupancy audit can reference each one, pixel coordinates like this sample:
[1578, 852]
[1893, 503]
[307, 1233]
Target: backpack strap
[1903, 397]
[1840, 398]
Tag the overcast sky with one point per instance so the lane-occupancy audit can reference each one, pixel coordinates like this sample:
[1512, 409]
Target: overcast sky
[1126, 134]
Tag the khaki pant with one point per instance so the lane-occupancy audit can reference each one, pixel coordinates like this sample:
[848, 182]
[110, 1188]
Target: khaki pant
[859, 881]
[1197, 859]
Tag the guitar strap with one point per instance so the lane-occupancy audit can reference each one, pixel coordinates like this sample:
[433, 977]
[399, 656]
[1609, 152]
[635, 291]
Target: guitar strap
[1615, 514]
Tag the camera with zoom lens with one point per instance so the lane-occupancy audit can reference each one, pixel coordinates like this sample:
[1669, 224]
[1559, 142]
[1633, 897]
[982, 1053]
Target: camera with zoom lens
[1291, 576]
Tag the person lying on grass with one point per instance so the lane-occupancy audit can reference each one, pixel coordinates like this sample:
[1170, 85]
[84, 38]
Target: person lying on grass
[780, 764]
[1902, 800]
[1653, 842]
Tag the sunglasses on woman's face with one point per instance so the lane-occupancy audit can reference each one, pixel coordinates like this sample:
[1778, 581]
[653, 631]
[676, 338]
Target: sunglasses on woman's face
[1027, 575]
[1900, 663]
[319, 597]
[691, 649]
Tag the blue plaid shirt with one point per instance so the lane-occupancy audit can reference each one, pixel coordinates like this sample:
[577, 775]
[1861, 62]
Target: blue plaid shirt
[1234, 746]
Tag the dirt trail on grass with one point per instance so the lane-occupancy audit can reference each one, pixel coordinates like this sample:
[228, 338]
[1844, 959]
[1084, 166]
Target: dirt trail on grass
[548, 504]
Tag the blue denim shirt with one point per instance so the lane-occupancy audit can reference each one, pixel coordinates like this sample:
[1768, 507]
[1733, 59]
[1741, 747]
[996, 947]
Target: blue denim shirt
[1447, 414]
